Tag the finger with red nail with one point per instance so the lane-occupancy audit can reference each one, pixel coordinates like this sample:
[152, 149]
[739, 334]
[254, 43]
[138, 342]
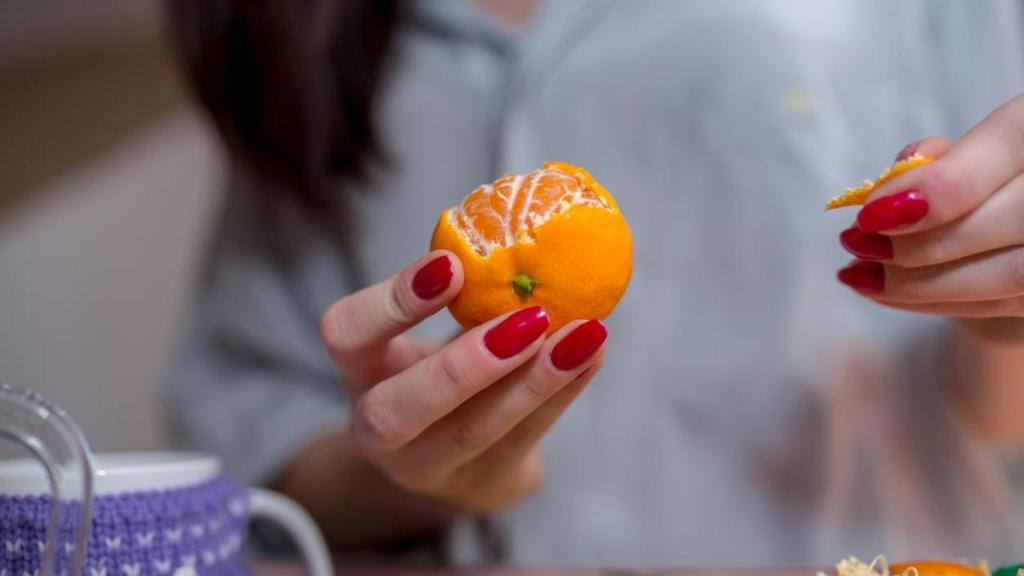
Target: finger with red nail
[458, 422]
[948, 237]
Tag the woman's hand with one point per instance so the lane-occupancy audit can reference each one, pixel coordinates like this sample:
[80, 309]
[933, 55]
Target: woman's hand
[458, 422]
[948, 238]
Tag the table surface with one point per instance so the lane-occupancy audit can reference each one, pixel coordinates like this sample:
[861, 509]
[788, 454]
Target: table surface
[291, 569]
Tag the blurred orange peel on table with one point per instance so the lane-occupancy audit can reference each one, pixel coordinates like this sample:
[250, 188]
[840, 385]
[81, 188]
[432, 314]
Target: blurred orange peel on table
[553, 237]
[857, 195]
[853, 566]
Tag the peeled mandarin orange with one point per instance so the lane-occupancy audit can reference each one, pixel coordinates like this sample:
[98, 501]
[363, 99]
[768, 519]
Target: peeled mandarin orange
[857, 195]
[553, 237]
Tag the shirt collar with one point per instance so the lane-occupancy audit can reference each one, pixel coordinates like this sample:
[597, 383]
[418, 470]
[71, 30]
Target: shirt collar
[556, 25]
[461, 19]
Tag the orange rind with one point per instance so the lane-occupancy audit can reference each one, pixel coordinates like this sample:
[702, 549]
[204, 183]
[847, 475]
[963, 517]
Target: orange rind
[935, 568]
[857, 195]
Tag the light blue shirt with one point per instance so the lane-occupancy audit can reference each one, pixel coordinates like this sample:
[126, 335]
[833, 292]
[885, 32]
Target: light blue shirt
[751, 410]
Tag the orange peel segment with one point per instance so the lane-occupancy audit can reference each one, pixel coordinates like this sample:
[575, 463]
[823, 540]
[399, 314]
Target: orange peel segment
[935, 568]
[857, 195]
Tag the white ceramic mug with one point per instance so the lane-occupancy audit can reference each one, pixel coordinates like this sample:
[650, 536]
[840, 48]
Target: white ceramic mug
[126, 482]
[140, 514]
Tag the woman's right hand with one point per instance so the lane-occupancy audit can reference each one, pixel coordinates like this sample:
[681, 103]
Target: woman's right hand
[459, 422]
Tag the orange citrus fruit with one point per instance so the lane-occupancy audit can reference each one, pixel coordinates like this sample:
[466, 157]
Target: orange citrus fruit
[857, 195]
[935, 568]
[553, 237]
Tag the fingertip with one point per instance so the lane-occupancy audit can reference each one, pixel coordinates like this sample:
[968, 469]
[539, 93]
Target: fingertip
[384, 310]
[584, 377]
[577, 344]
[458, 274]
[572, 326]
[328, 326]
[866, 245]
[513, 333]
[457, 269]
[436, 277]
[863, 276]
[894, 213]
[932, 146]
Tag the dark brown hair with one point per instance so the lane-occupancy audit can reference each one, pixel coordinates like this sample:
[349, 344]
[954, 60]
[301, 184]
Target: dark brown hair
[290, 84]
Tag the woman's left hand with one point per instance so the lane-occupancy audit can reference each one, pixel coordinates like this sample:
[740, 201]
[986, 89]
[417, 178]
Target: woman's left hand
[948, 238]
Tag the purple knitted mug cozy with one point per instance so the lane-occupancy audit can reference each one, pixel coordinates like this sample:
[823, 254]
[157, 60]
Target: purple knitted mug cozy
[145, 533]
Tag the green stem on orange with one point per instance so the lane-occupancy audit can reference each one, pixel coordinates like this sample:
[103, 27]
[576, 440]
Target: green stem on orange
[523, 285]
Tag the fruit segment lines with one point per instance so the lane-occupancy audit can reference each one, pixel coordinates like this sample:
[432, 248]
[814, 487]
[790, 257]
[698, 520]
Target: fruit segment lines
[500, 214]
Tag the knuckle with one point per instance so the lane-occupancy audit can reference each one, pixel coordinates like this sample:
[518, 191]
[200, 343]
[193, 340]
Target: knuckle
[467, 432]
[927, 254]
[448, 371]
[947, 183]
[544, 382]
[942, 178]
[376, 424]
[397, 306]
[942, 251]
[537, 387]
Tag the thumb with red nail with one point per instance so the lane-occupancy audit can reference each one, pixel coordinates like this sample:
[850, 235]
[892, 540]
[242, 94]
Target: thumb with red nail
[441, 429]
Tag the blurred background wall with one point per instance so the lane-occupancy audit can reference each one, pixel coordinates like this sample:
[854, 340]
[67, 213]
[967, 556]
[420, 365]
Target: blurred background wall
[108, 182]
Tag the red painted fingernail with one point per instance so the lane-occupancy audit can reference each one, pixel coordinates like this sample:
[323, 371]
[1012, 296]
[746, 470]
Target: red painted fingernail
[516, 332]
[578, 345]
[433, 278]
[864, 277]
[893, 211]
[867, 245]
[908, 151]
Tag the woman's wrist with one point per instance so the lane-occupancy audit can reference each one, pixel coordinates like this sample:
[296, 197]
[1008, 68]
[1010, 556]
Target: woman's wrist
[354, 503]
